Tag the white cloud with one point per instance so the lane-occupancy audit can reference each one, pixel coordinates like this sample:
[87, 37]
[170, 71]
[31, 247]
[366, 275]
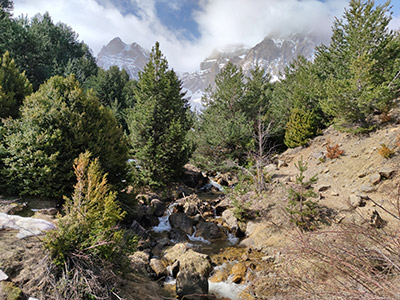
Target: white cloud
[220, 22]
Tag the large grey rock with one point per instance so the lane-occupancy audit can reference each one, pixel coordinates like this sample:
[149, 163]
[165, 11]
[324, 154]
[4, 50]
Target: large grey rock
[367, 188]
[181, 221]
[26, 226]
[139, 229]
[157, 207]
[191, 285]
[193, 177]
[209, 231]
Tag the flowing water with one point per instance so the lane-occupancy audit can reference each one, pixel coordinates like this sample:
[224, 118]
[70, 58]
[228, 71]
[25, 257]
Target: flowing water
[224, 289]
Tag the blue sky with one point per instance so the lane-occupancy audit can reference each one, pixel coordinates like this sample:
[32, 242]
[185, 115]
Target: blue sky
[189, 30]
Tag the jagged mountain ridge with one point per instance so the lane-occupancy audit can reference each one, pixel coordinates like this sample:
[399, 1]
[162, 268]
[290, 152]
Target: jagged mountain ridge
[272, 53]
[131, 57]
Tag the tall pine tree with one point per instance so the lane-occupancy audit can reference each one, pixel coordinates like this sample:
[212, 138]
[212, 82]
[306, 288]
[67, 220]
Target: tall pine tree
[159, 122]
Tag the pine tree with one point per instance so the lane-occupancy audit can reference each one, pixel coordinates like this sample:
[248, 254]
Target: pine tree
[359, 64]
[57, 123]
[159, 122]
[224, 133]
[14, 87]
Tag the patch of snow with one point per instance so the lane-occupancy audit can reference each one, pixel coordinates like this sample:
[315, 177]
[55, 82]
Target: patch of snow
[26, 226]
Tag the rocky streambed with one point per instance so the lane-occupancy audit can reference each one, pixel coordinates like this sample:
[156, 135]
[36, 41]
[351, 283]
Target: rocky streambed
[194, 245]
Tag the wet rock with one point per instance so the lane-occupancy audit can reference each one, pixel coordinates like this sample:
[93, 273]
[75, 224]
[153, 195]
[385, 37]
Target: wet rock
[191, 285]
[160, 246]
[178, 235]
[387, 172]
[139, 229]
[209, 231]
[174, 269]
[222, 205]
[193, 177]
[181, 221]
[158, 267]
[375, 178]
[219, 276]
[238, 272]
[172, 254]
[150, 220]
[194, 269]
[26, 226]
[157, 207]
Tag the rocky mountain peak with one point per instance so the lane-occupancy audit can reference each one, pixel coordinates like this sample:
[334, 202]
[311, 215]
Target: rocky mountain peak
[131, 57]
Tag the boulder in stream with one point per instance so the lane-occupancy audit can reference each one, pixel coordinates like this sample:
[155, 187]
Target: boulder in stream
[209, 231]
[26, 226]
[181, 221]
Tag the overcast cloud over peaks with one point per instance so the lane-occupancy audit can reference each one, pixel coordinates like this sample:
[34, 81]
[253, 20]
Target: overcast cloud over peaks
[188, 30]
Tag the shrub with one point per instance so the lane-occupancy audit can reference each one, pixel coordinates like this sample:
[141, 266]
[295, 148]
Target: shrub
[303, 211]
[333, 151]
[14, 86]
[300, 128]
[57, 123]
[385, 151]
[89, 226]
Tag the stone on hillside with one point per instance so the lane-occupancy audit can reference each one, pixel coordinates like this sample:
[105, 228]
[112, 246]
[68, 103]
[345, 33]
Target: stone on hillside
[181, 221]
[376, 220]
[27, 226]
[230, 220]
[281, 164]
[209, 231]
[3, 276]
[157, 207]
[355, 201]
[158, 267]
[319, 156]
[367, 188]
[270, 168]
[323, 187]
[375, 178]
[387, 172]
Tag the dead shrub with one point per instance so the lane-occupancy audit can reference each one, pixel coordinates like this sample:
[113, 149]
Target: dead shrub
[385, 151]
[333, 152]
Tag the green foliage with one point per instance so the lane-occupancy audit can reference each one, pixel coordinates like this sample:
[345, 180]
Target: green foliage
[89, 226]
[303, 211]
[301, 88]
[115, 90]
[57, 123]
[224, 132]
[159, 123]
[300, 128]
[14, 87]
[359, 65]
[43, 49]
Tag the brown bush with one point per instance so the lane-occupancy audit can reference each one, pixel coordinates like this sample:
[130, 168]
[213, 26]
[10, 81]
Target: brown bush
[333, 151]
[385, 151]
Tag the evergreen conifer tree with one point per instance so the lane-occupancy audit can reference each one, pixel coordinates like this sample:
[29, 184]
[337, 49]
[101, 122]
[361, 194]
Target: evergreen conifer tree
[159, 122]
[225, 132]
[359, 65]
